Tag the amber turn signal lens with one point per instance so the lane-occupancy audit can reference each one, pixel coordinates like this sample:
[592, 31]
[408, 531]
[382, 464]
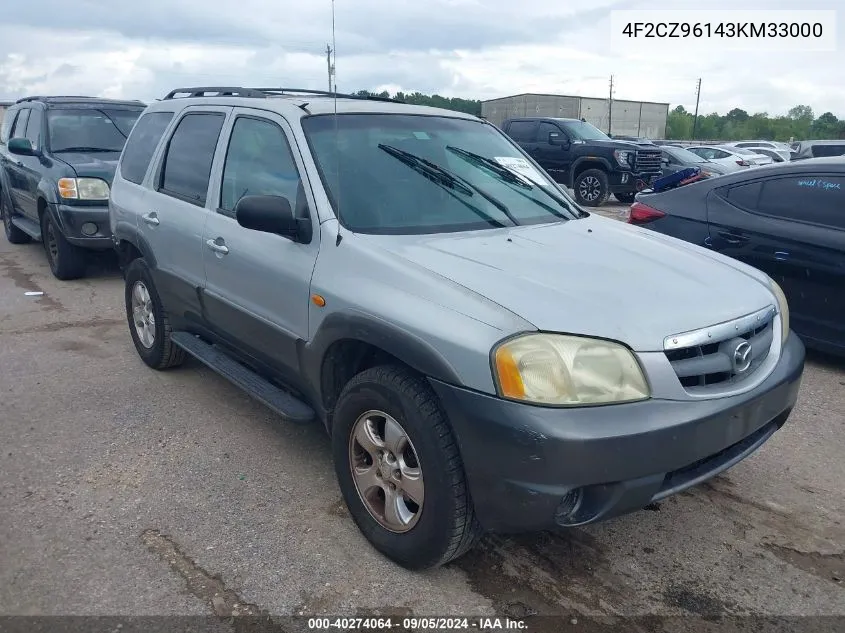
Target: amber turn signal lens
[317, 300]
[510, 381]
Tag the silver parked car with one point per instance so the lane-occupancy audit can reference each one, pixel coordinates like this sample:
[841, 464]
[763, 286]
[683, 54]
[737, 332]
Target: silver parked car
[485, 355]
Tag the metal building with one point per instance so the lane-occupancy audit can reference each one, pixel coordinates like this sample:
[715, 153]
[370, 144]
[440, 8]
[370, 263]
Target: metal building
[4, 105]
[630, 118]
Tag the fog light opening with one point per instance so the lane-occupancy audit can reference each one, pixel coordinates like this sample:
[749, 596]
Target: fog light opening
[568, 506]
[89, 228]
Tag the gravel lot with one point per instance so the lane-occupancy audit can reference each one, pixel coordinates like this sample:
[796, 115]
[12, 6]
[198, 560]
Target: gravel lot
[127, 491]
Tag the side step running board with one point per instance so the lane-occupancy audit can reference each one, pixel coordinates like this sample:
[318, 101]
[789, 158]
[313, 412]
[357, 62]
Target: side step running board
[282, 402]
[30, 227]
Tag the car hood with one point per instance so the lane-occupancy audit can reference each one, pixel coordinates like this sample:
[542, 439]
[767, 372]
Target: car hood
[593, 276]
[615, 144]
[92, 165]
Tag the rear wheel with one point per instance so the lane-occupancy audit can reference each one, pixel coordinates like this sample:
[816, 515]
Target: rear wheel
[591, 188]
[149, 324]
[627, 198]
[66, 260]
[13, 233]
[399, 469]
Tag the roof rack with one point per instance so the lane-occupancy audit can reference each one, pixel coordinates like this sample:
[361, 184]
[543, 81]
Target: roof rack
[59, 98]
[263, 93]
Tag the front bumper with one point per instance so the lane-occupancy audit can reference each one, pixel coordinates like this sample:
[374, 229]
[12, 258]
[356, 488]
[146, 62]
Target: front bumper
[71, 219]
[630, 182]
[532, 468]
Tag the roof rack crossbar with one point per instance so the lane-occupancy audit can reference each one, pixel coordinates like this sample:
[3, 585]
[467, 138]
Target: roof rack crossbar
[325, 93]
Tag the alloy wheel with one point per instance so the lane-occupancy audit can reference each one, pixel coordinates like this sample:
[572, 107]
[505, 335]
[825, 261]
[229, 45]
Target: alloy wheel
[142, 314]
[590, 188]
[386, 471]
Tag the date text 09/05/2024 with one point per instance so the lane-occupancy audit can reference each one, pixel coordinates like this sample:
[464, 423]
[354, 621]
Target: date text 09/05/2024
[724, 29]
[416, 624]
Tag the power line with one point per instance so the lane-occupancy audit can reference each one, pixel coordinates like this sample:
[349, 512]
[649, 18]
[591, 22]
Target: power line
[610, 107]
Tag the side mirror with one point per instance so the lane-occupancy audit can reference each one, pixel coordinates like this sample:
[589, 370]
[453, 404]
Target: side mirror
[22, 147]
[269, 214]
[558, 139]
[664, 161]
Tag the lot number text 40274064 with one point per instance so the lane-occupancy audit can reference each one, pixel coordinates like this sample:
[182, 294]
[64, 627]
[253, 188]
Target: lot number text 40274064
[416, 624]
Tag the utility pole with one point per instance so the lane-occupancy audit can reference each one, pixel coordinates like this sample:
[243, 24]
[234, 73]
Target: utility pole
[695, 116]
[610, 107]
[329, 64]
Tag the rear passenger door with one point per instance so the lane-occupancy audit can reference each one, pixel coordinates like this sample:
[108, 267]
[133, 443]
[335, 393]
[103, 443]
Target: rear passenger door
[174, 213]
[793, 228]
[257, 284]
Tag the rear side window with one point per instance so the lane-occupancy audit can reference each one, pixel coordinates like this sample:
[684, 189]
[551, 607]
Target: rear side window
[190, 152]
[745, 196]
[142, 144]
[8, 122]
[522, 131]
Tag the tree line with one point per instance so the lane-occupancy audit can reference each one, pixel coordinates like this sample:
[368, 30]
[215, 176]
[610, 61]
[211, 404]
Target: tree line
[799, 123]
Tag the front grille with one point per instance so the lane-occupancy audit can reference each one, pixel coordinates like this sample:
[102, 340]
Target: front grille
[719, 356]
[648, 160]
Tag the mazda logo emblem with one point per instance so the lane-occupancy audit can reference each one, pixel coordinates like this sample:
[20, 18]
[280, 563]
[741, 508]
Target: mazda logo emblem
[742, 357]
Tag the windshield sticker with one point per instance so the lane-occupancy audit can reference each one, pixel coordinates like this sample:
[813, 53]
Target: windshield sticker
[421, 136]
[520, 166]
[818, 183]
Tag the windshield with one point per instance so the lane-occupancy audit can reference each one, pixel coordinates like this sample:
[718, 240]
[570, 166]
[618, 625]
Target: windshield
[583, 131]
[683, 156]
[404, 174]
[90, 129]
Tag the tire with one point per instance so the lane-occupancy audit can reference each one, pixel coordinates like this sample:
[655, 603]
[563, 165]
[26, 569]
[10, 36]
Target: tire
[66, 260]
[13, 234]
[591, 188]
[160, 352]
[626, 198]
[444, 526]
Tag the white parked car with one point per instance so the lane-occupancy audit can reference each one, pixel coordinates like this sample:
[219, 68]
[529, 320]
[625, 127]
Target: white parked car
[730, 155]
[779, 152]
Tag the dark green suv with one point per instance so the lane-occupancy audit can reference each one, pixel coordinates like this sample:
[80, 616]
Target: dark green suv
[57, 161]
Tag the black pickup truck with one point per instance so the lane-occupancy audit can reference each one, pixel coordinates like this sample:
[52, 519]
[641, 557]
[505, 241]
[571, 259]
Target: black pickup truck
[582, 157]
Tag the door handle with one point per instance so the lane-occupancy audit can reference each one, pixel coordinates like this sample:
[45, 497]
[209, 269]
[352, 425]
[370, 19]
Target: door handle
[733, 238]
[216, 247]
[781, 256]
[151, 218]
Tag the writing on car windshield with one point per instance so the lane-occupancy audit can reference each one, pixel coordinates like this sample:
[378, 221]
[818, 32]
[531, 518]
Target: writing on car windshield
[403, 174]
[90, 129]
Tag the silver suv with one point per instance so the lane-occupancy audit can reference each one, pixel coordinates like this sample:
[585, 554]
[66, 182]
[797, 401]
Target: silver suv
[486, 355]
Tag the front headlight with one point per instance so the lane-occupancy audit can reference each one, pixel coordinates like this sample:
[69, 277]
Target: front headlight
[783, 309]
[83, 189]
[624, 157]
[557, 369]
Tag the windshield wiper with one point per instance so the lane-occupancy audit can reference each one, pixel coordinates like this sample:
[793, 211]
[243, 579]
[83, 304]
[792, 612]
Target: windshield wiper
[513, 178]
[445, 178]
[84, 149]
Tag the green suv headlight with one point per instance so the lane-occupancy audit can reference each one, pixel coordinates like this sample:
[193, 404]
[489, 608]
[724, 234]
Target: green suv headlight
[783, 309]
[83, 189]
[558, 369]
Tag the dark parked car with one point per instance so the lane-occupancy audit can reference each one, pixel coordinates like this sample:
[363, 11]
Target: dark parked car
[57, 161]
[677, 158]
[787, 220]
[579, 155]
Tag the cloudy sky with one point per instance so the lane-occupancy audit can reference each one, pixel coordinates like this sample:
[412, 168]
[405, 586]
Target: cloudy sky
[468, 48]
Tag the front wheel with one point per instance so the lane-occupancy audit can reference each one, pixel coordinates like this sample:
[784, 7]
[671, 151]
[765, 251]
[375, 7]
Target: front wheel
[399, 469]
[626, 198]
[591, 188]
[66, 260]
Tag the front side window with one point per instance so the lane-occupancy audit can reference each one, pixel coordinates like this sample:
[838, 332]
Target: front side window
[19, 131]
[397, 173]
[545, 130]
[90, 129]
[33, 128]
[190, 152]
[258, 162]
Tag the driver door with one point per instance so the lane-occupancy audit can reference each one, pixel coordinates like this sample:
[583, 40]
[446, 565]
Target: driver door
[257, 290]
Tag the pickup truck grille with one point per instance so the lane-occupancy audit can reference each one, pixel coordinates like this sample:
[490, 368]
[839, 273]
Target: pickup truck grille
[648, 160]
[724, 355]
